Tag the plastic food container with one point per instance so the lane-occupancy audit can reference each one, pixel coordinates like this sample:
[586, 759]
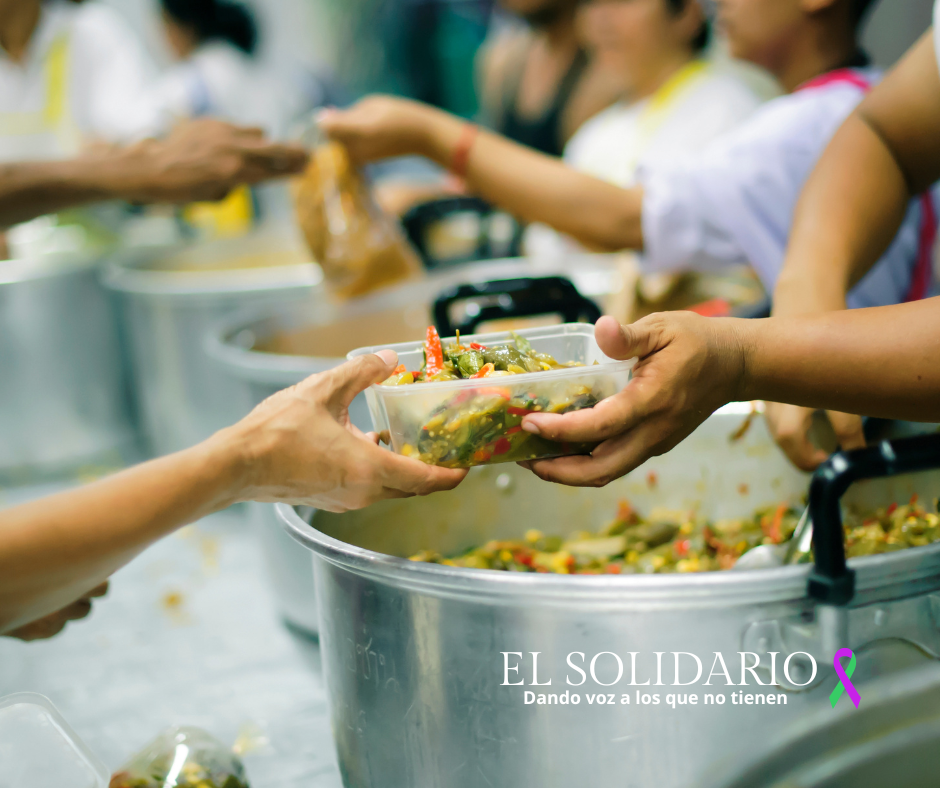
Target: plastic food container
[38, 748]
[461, 423]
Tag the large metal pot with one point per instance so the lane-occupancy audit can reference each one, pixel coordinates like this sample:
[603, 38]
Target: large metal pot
[892, 739]
[278, 348]
[62, 393]
[413, 653]
[171, 297]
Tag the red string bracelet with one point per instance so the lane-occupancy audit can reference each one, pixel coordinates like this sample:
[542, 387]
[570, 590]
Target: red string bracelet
[461, 156]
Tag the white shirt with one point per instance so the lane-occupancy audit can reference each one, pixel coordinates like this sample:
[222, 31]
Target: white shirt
[103, 70]
[735, 202]
[221, 81]
[652, 133]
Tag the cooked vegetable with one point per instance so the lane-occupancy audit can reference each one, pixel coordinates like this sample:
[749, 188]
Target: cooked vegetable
[630, 544]
[483, 424]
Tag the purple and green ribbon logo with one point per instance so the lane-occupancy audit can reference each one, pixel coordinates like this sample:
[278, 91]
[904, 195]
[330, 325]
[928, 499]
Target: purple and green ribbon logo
[844, 674]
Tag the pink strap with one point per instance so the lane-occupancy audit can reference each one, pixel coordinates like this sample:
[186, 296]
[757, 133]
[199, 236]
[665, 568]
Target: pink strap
[841, 76]
[923, 268]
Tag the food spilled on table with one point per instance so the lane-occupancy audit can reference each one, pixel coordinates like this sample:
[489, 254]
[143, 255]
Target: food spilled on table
[483, 424]
[633, 544]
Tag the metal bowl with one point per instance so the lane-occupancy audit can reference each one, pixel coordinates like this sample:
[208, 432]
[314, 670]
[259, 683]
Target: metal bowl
[170, 299]
[62, 391]
[415, 654]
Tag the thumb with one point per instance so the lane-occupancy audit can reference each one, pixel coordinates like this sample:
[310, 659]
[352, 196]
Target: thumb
[347, 380]
[622, 342]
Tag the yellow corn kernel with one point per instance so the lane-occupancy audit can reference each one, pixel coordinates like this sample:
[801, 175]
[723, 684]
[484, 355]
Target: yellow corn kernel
[533, 535]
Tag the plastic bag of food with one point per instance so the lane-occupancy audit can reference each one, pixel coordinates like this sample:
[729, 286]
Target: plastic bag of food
[182, 758]
[358, 246]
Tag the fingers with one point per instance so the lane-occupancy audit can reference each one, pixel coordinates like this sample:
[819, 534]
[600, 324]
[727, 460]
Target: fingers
[413, 477]
[609, 417]
[98, 591]
[790, 427]
[77, 610]
[267, 157]
[848, 428]
[609, 461]
[342, 384]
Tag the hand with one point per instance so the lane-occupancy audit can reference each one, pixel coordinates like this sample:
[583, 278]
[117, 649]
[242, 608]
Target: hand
[204, 160]
[378, 127]
[789, 425]
[51, 625]
[301, 448]
[688, 367]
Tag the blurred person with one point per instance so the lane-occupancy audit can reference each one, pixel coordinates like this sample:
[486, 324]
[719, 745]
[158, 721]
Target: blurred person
[69, 73]
[678, 101]
[216, 72]
[298, 447]
[731, 204]
[539, 84]
[878, 362]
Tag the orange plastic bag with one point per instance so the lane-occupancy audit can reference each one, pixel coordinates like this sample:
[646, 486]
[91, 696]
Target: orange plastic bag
[360, 248]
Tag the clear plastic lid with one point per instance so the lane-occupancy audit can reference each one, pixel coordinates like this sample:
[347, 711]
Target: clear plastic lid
[38, 748]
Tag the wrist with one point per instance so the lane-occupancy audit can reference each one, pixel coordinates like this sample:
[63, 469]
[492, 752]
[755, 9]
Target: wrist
[744, 346]
[230, 466]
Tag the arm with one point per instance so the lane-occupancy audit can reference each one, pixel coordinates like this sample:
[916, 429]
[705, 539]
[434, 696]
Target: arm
[201, 160]
[856, 198]
[850, 211]
[297, 446]
[527, 184]
[873, 361]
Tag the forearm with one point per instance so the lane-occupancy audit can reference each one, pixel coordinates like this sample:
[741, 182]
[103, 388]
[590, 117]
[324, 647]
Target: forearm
[54, 550]
[874, 362]
[539, 188]
[31, 189]
[849, 212]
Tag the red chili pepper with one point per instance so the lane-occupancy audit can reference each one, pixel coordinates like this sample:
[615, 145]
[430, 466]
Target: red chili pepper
[433, 353]
[681, 548]
[477, 346]
[512, 410]
[914, 499]
[504, 393]
[514, 430]
[612, 569]
[891, 509]
[481, 455]
[484, 371]
[774, 532]
[502, 446]
[399, 369]
[522, 558]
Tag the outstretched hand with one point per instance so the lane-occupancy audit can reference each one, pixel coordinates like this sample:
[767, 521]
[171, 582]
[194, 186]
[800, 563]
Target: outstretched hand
[688, 367]
[301, 447]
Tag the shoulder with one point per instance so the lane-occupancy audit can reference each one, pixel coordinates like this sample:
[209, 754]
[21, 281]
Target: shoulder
[99, 23]
[719, 87]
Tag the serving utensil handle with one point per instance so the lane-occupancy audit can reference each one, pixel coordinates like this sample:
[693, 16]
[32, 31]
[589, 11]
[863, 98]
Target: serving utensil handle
[832, 582]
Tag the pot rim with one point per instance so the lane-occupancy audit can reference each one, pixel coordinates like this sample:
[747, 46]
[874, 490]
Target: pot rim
[614, 592]
[46, 266]
[259, 367]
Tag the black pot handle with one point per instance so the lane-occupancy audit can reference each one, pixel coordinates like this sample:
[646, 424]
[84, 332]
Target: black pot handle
[831, 581]
[513, 298]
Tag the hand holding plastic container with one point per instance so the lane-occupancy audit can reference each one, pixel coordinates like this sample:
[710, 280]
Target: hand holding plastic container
[470, 396]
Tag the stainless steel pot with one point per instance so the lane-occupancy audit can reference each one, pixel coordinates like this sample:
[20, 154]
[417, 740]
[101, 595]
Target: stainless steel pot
[278, 348]
[413, 653]
[171, 298]
[62, 394]
[892, 739]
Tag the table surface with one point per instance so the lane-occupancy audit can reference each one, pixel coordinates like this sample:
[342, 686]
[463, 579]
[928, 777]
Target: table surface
[188, 635]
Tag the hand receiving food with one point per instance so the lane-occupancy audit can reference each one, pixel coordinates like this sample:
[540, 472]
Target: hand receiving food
[51, 625]
[203, 160]
[300, 447]
[790, 426]
[378, 127]
[688, 367]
